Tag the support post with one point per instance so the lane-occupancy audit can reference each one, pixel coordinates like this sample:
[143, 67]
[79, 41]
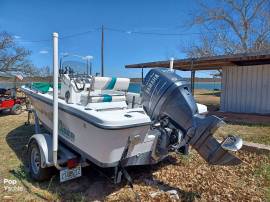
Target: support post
[102, 50]
[15, 87]
[192, 81]
[192, 77]
[171, 64]
[55, 99]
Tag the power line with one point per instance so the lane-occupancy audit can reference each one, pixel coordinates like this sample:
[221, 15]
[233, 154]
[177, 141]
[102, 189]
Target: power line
[153, 33]
[35, 41]
[115, 30]
[110, 29]
[63, 37]
[25, 41]
[79, 34]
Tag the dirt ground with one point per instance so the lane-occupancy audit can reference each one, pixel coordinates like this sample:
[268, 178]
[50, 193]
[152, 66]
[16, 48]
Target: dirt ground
[239, 118]
[188, 176]
[209, 98]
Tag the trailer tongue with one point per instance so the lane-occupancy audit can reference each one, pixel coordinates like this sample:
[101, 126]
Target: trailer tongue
[167, 99]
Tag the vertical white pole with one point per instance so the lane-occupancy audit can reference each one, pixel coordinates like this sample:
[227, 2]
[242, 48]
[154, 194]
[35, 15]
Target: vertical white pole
[55, 97]
[171, 64]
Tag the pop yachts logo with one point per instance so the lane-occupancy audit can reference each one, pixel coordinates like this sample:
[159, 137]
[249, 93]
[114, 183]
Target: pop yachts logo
[11, 186]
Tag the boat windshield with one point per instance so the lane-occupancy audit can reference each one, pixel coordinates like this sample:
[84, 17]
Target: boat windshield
[74, 67]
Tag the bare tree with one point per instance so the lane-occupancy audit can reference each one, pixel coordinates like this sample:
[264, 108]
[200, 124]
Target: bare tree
[47, 71]
[44, 71]
[12, 57]
[232, 26]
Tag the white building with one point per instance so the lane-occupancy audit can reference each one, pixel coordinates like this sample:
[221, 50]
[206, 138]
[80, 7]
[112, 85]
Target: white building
[246, 89]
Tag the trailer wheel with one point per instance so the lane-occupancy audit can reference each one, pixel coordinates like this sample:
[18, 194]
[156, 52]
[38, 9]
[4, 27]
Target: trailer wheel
[16, 109]
[34, 159]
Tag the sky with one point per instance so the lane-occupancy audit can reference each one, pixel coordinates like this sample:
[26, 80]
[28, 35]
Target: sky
[79, 22]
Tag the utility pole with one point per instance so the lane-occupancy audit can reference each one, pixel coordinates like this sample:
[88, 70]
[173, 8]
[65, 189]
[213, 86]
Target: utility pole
[102, 50]
[87, 66]
[90, 67]
[88, 59]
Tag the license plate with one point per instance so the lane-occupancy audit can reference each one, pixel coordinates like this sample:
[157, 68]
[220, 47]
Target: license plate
[68, 174]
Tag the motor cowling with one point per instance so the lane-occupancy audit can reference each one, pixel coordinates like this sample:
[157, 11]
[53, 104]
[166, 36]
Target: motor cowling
[165, 93]
[167, 99]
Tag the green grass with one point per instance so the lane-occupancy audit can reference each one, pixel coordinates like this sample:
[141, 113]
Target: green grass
[249, 132]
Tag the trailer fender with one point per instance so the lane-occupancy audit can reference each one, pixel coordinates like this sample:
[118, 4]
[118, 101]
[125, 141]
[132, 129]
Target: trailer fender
[44, 142]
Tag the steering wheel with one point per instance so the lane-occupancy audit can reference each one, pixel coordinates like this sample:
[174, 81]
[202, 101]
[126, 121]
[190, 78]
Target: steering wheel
[79, 80]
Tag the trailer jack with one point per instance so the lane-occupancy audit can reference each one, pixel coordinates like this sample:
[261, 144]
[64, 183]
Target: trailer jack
[120, 170]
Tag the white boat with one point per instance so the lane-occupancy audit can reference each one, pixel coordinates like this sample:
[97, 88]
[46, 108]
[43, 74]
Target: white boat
[106, 125]
[100, 128]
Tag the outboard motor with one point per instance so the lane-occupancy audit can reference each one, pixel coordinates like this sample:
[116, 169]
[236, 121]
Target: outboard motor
[167, 99]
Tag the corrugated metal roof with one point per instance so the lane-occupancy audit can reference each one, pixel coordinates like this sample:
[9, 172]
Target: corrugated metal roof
[210, 63]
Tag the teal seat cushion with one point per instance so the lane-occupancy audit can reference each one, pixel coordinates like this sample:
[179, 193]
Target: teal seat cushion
[107, 98]
[111, 84]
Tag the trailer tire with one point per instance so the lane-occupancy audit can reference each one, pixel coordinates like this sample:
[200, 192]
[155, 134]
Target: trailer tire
[34, 160]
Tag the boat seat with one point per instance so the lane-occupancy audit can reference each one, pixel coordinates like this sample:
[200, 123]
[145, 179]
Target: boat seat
[110, 83]
[107, 98]
[102, 97]
[97, 93]
[106, 89]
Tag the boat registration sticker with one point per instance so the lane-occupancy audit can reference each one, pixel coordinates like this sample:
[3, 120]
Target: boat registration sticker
[68, 174]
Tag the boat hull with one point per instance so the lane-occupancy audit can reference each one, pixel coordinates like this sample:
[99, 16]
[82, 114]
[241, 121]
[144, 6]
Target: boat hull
[103, 147]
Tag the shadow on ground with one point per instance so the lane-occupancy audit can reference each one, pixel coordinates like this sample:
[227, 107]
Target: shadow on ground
[5, 112]
[212, 107]
[95, 184]
[214, 93]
